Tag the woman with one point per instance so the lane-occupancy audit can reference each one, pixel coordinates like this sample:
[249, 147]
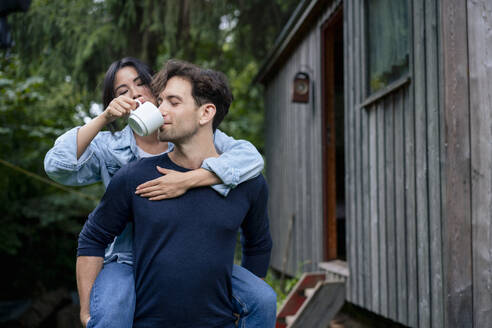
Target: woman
[86, 155]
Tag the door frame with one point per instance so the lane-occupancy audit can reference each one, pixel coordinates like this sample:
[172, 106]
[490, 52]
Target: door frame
[328, 30]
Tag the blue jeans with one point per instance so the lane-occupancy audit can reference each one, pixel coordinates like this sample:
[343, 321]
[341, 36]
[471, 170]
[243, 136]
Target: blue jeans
[112, 300]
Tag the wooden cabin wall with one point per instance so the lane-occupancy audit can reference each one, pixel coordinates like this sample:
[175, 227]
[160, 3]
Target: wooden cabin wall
[293, 154]
[294, 159]
[480, 70]
[467, 70]
[394, 178]
[418, 169]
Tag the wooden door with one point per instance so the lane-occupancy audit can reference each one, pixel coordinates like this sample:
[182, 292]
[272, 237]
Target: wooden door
[332, 129]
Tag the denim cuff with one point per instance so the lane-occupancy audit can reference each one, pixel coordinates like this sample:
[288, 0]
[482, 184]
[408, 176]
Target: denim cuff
[227, 174]
[65, 151]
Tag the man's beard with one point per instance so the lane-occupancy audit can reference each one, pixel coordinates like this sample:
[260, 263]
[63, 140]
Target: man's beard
[175, 137]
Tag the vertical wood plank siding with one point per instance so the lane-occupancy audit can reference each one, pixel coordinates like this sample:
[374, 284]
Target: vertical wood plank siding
[373, 215]
[404, 144]
[480, 68]
[349, 149]
[422, 213]
[458, 224]
[356, 137]
[434, 163]
[383, 259]
[294, 158]
[389, 191]
[400, 231]
[394, 171]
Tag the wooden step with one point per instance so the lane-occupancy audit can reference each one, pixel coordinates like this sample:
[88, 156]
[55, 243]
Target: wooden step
[297, 297]
[327, 299]
[313, 302]
[308, 292]
[336, 270]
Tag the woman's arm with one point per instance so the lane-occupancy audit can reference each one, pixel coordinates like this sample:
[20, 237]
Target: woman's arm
[239, 161]
[118, 107]
[61, 163]
[174, 184]
[79, 154]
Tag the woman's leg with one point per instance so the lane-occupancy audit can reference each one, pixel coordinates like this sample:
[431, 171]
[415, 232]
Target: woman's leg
[112, 301]
[254, 299]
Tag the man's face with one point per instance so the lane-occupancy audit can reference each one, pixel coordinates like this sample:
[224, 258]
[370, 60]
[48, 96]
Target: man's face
[180, 112]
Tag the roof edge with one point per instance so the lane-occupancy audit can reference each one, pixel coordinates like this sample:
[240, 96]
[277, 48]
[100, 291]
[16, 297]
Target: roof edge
[297, 20]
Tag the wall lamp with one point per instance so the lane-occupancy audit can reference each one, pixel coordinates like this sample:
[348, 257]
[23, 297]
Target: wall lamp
[300, 88]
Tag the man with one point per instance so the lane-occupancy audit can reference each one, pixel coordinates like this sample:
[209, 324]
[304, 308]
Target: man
[183, 247]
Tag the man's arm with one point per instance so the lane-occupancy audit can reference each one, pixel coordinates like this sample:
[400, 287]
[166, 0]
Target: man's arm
[255, 237]
[103, 224]
[87, 269]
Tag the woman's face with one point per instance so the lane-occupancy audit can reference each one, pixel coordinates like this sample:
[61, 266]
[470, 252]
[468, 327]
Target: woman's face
[127, 82]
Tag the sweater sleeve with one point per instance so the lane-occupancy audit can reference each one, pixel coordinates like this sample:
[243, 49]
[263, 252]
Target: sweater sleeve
[109, 218]
[255, 237]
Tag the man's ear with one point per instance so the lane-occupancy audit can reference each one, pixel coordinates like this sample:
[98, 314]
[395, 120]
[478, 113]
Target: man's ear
[207, 113]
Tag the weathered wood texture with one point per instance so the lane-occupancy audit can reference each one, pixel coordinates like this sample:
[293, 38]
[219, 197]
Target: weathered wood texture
[327, 300]
[457, 228]
[294, 157]
[395, 171]
[480, 68]
[349, 150]
[395, 168]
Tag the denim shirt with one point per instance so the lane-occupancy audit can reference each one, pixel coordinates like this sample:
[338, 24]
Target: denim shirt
[107, 153]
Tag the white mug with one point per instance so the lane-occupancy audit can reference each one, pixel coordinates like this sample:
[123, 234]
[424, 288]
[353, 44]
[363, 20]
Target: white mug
[145, 119]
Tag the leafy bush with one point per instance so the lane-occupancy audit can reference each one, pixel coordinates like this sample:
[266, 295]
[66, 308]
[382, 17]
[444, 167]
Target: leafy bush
[40, 222]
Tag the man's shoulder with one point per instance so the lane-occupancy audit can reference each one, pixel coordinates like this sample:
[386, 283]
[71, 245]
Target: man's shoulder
[141, 163]
[259, 180]
[254, 186]
[144, 166]
[132, 167]
[132, 172]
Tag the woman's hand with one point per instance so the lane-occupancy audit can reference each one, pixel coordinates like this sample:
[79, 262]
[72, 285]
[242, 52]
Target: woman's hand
[171, 185]
[119, 107]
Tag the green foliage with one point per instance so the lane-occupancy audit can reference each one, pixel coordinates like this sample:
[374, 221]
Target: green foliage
[245, 118]
[35, 215]
[281, 285]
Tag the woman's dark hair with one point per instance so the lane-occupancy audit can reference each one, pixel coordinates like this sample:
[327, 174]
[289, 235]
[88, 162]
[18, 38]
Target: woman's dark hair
[144, 71]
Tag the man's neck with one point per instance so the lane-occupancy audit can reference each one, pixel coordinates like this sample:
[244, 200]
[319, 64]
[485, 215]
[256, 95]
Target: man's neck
[151, 144]
[190, 153]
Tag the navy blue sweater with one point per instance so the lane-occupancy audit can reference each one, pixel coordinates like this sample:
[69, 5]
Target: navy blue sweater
[183, 247]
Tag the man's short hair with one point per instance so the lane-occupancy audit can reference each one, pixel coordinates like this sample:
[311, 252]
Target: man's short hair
[208, 86]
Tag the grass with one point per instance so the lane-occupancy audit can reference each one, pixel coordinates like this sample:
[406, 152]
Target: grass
[281, 286]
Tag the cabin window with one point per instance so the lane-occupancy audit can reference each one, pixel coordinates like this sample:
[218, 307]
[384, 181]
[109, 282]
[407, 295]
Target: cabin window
[387, 42]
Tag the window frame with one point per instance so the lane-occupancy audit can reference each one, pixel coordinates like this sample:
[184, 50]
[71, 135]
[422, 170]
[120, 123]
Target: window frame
[372, 97]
